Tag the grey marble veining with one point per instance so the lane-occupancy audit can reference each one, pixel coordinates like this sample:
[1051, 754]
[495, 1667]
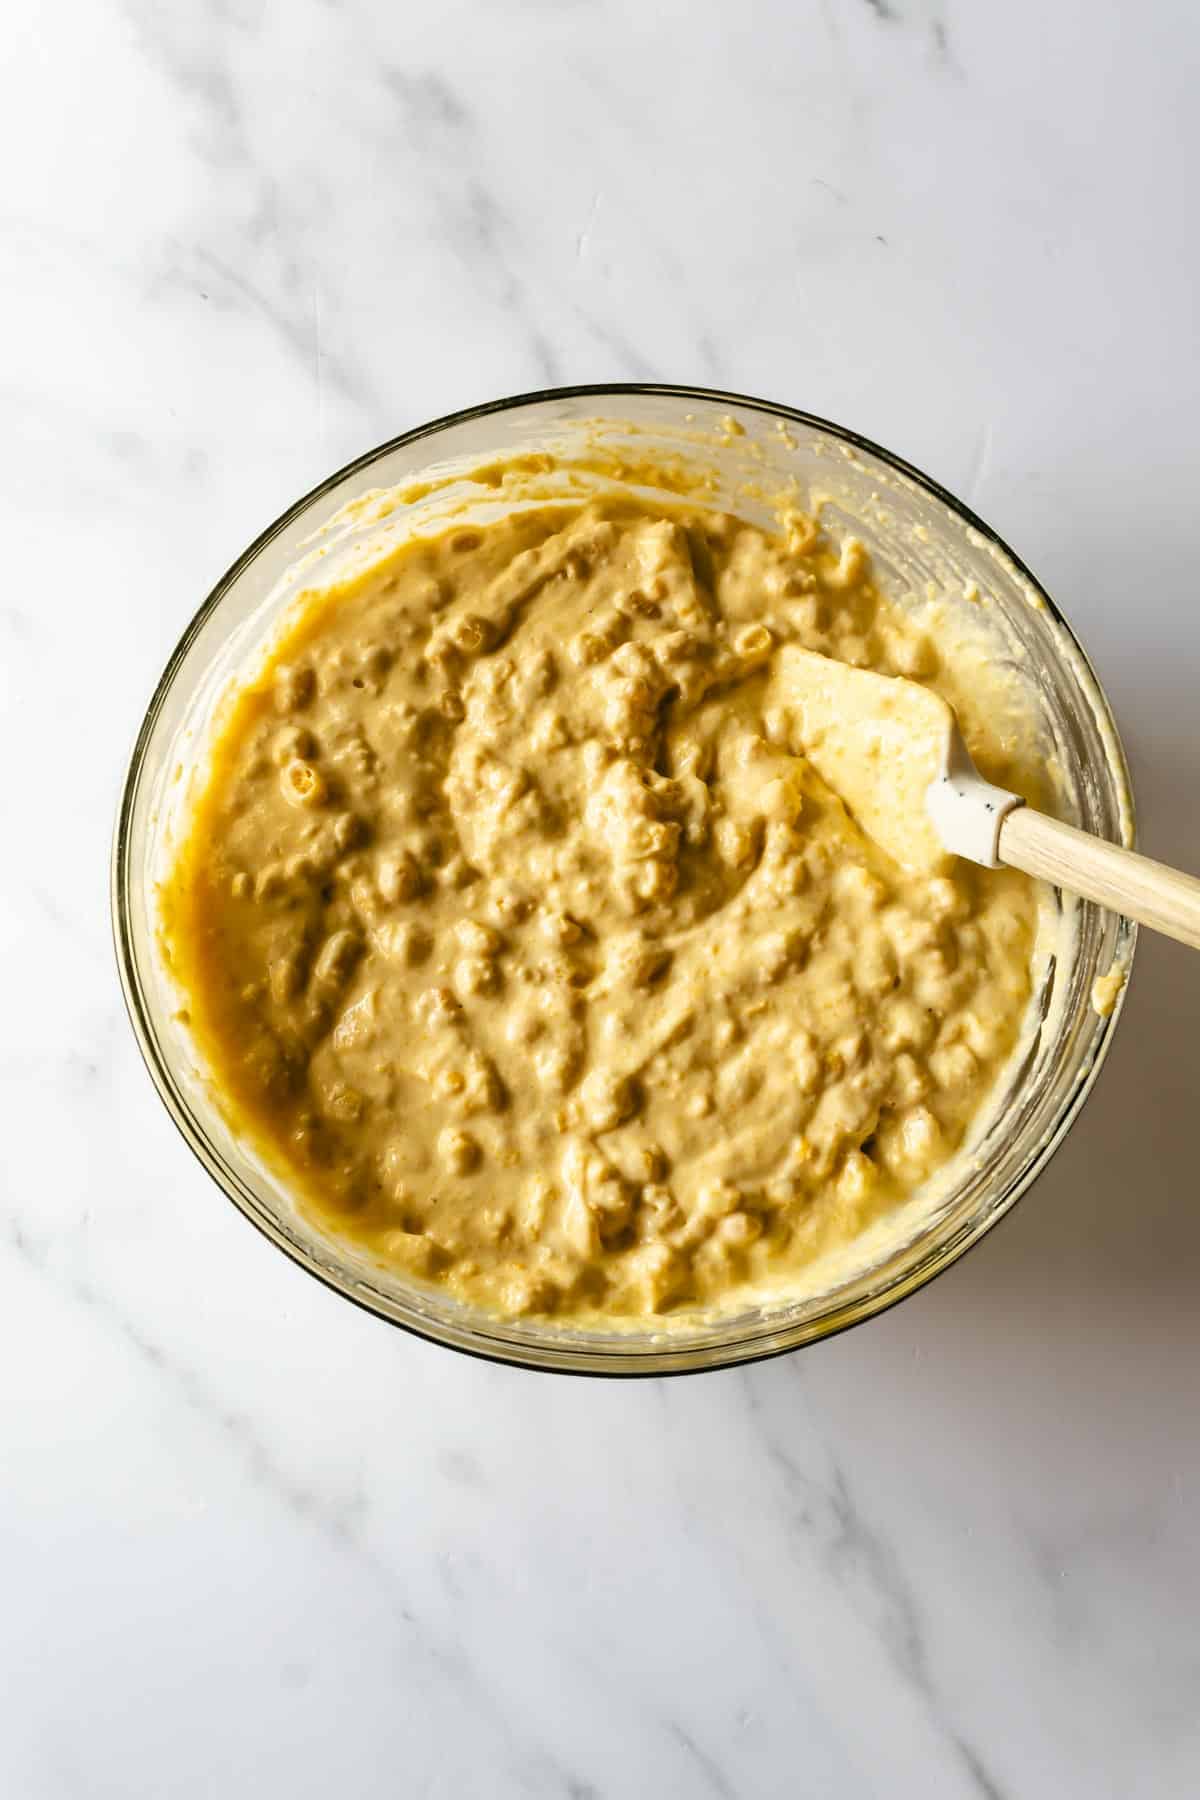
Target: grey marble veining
[254, 1543]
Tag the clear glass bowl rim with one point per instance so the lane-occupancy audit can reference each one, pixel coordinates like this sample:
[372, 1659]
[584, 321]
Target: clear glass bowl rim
[640, 1362]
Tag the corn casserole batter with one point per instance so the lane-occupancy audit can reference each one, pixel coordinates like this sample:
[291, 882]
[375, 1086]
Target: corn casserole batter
[519, 936]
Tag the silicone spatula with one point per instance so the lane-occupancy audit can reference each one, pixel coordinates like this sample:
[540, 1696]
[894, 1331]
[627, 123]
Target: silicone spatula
[893, 752]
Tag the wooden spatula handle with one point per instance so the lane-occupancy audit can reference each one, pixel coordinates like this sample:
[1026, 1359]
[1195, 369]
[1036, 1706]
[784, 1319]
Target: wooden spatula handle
[1150, 892]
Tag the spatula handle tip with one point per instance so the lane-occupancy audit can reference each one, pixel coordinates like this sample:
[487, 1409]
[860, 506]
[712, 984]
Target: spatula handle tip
[1165, 899]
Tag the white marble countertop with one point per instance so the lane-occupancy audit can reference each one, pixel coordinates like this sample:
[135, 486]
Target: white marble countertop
[253, 1542]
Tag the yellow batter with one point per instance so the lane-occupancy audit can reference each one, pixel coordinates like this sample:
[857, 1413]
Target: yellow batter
[517, 933]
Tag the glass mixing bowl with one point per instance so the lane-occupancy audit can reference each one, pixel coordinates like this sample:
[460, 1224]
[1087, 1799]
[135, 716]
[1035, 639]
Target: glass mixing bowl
[917, 533]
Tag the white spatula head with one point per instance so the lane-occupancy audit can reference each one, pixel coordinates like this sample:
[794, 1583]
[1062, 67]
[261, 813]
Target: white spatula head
[892, 751]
